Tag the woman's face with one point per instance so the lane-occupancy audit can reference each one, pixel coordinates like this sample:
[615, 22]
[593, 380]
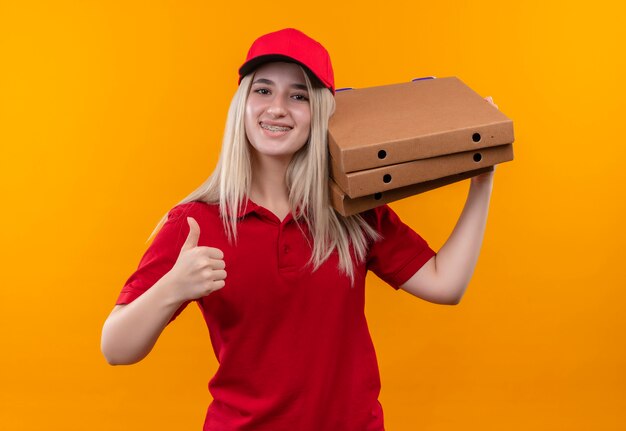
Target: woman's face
[278, 115]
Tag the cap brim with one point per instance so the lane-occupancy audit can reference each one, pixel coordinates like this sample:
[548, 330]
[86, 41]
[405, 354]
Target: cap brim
[252, 64]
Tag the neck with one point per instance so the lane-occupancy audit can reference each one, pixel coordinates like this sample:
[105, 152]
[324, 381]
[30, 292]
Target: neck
[268, 187]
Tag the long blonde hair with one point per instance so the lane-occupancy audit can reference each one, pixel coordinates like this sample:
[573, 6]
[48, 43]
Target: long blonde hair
[306, 179]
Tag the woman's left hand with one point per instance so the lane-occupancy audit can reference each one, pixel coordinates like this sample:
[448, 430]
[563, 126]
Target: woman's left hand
[490, 100]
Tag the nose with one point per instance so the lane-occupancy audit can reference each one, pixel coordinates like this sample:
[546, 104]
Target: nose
[277, 107]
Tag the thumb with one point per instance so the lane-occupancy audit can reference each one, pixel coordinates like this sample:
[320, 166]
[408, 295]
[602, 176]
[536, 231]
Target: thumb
[194, 234]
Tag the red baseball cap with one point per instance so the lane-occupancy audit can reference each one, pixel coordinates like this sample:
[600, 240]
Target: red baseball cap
[293, 46]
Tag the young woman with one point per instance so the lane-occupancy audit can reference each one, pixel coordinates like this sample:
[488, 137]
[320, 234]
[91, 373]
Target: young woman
[287, 321]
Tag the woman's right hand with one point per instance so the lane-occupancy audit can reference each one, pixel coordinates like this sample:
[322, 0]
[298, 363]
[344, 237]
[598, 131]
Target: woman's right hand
[199, 270]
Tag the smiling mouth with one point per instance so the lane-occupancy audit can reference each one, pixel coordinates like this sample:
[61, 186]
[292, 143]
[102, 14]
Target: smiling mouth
[275, 128]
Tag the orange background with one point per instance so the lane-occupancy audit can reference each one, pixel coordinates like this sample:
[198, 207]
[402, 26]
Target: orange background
[111, 112]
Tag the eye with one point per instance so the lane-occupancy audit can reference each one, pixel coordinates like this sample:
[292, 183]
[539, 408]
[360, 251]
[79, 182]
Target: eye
[262, 91]
[301, 97]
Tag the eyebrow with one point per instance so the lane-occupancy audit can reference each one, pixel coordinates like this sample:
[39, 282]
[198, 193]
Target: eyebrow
[268, 82]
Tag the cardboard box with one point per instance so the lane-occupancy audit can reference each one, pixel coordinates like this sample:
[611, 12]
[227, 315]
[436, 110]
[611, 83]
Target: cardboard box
[391, 124]
[367, 182]
[347, 206]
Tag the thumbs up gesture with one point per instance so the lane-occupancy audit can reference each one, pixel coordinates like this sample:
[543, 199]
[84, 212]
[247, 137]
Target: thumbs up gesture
[199, 270]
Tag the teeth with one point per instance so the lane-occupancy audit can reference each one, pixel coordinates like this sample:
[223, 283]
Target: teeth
[275, 128]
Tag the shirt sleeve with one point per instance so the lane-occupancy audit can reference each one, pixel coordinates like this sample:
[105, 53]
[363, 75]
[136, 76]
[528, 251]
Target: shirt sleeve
[159, 258]
[400, 253]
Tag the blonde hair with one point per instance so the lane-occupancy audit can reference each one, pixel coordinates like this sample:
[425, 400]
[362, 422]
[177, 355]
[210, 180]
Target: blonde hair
[306, 179]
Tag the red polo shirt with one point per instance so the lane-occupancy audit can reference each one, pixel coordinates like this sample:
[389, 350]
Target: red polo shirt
[293, 346]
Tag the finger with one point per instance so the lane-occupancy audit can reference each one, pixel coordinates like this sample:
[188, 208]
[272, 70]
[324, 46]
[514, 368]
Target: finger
[216, 264]
[490, 100]
[218, 284]
[218, 274]
[211, 275]
[201, 260]
[194, 233]
[212, 252]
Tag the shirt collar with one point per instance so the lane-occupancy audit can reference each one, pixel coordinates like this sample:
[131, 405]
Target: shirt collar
[247, 207]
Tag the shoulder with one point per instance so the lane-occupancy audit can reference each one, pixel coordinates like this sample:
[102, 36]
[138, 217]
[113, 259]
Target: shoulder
[379, 216]
[205, 214]
[197, 209]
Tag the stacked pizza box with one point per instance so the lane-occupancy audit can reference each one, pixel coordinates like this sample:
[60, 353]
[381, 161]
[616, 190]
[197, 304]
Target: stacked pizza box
[394, 141]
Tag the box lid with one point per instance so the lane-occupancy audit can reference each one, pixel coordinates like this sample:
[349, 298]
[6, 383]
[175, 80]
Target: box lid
[379, 126]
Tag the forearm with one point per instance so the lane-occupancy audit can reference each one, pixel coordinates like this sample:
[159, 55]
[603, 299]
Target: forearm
[130, 332]
[456, 260]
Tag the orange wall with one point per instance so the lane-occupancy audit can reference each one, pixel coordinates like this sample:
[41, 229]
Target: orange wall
[111, 112]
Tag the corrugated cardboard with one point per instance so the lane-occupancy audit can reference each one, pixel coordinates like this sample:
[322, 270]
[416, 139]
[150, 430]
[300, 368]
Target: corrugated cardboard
[347, 206]
[367, 182]
[390, 124]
